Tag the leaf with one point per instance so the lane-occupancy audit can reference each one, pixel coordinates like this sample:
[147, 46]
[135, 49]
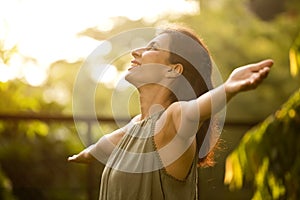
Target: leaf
[293, 62]
[266, 155]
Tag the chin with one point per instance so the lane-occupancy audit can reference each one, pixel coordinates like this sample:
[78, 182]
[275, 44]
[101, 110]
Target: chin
[129, 77]
[143, 75]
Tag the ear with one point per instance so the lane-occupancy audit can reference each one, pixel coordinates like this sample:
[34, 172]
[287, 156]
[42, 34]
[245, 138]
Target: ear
[175, 71]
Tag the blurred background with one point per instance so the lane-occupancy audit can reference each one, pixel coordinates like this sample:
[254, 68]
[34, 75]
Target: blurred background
[43, 45]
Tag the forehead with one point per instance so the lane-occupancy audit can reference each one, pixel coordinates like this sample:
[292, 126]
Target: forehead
[162, 41]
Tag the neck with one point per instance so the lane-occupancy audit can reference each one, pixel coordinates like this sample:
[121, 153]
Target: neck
[153, 98]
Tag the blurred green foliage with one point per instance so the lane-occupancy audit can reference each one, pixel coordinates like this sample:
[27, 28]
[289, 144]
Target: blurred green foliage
[35, 162]
[33, 153]
[268, 155]
[5, 187]
[295, 57]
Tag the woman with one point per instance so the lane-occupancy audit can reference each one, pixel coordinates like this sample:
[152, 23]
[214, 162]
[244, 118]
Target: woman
[156, 155]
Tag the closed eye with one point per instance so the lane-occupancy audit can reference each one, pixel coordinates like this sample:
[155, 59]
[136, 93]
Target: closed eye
[152, 46]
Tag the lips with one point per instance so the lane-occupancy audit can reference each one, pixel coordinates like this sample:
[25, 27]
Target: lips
[134, 63]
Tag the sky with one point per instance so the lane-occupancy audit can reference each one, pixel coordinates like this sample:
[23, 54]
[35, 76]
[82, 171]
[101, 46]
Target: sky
[47, 30]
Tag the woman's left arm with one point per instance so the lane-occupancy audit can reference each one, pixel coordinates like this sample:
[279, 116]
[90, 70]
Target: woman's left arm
[241, 79]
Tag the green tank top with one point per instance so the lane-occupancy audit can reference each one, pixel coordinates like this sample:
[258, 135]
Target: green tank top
[134, 170]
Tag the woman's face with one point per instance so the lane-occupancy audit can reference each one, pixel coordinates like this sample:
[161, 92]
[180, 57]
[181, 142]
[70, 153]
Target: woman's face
[150, 63]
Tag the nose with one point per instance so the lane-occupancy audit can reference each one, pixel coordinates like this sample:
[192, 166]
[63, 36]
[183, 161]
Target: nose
[137, 52]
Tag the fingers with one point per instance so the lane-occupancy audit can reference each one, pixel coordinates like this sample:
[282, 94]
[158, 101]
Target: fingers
[76, 158]
[258, 77]
[72, 158]
[261, 65]
[260, 71]
[264, 72]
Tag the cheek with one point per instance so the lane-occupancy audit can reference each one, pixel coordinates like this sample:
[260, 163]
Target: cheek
[155, 57]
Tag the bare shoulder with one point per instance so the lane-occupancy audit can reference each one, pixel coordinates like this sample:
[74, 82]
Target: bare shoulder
[117, 135]
[179, 116]
[174, 112]
[169, 121]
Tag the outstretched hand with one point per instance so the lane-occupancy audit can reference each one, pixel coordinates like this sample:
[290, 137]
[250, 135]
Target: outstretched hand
[83, 157]
[247, 77]
[76, 158]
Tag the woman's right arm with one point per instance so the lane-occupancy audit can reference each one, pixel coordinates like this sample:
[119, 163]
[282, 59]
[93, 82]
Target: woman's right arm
[102, 149]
